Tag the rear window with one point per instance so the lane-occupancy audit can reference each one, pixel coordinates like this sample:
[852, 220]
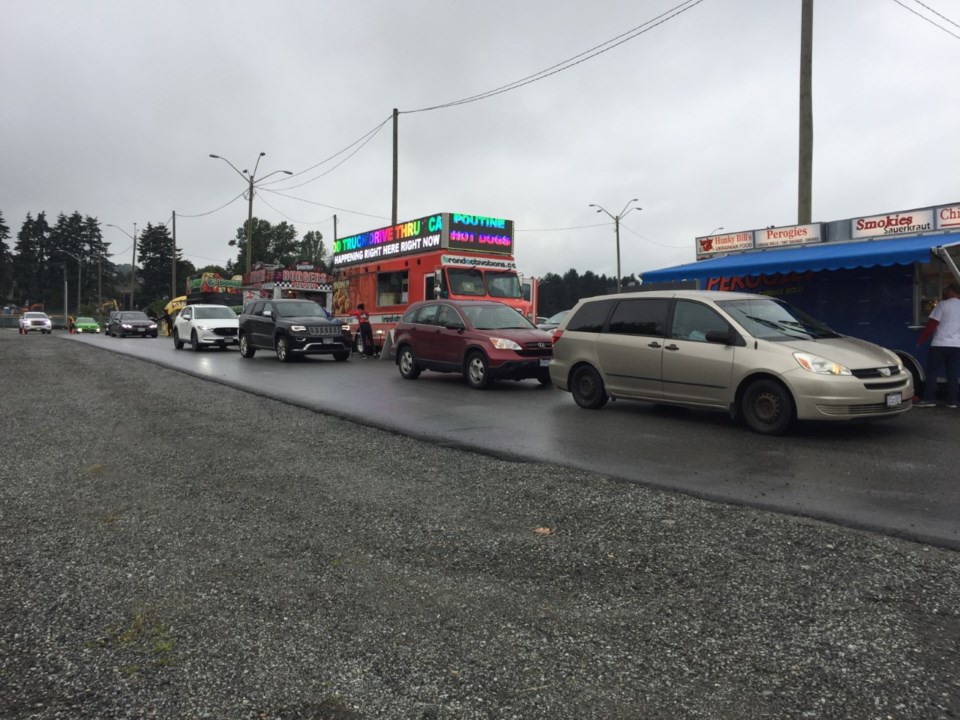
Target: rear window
[591, 316]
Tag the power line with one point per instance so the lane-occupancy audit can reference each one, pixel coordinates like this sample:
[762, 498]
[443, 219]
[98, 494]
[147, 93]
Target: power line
[936, 13]
[932, 22]
[217, 209]
[653, 242]
[575, 227]
[331, 207]
[363, 140]
[573, 61]
[302, 222]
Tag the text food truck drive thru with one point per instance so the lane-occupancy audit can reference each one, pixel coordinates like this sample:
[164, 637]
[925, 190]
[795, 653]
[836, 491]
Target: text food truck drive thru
[874, 277]
[450, 255]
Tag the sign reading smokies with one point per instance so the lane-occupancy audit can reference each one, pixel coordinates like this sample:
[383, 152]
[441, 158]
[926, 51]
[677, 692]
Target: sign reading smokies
[456, 231]
[902, 223]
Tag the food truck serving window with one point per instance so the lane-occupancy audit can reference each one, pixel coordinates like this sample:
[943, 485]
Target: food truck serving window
[392, 288]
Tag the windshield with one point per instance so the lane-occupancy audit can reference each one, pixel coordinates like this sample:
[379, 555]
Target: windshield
[34, 315]
[86, 320]
[503, 284]
[495, 317]
[214, 313]
[466, 282]
[306, 308]
[137, 315]
[770, 319]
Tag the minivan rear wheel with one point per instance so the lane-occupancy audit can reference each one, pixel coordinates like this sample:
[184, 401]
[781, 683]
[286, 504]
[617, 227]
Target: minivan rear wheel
[767, 407]
[586, 386]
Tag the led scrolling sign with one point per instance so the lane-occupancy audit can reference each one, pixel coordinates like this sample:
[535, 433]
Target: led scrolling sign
[454, 231]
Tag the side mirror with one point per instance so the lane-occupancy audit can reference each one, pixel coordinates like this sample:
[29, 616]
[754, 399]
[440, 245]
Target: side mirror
[725, 337]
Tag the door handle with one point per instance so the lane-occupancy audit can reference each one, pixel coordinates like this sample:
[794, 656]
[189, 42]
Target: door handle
[654, 344]
[671, 346]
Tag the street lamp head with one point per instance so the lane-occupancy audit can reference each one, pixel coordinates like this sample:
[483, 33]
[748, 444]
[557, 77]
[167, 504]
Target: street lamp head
[215, 157]
[262, 154]
[288, 172]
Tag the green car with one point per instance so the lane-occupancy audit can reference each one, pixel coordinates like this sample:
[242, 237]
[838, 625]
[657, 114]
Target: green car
[86, 325]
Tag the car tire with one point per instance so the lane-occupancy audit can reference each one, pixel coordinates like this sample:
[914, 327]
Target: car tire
[587, 389]
[407, 364]
[543, 377]
[477, 371]
[282, 348]
[246, 350]
[177, 342]
[342, 356]
[767, 408]
[194, 341]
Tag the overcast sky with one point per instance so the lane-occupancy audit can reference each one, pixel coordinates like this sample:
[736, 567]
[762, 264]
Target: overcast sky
[111, 108]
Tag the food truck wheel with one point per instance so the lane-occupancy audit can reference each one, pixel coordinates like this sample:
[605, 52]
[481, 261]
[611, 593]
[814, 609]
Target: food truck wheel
[407, 363]
[767, 407]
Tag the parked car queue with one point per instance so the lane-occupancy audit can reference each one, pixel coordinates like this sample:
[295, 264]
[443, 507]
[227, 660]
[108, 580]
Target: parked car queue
[754, 357]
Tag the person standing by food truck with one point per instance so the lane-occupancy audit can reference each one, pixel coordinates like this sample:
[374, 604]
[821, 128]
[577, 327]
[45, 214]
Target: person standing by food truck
[366, 332]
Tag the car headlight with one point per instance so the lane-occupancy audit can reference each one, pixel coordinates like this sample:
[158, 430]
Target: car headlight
[126, 326]
[298, 328]
[205, 328]
[819, 365]
[504, 344]
[153, 326]
[345, 327]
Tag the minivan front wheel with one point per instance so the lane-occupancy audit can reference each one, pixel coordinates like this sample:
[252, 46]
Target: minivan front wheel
[767, 407]
[586, 386]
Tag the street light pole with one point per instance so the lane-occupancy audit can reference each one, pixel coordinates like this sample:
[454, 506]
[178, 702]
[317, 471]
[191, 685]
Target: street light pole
[133, 265]
[616, 223]
[79, 268]
[251, 179]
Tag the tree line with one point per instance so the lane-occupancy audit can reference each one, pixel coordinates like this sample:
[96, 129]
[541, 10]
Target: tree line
[44, 255]
[44, 259]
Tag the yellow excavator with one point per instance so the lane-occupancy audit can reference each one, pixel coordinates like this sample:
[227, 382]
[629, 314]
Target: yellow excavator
[170, 312]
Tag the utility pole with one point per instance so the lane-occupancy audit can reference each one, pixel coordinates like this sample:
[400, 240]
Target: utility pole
[616, 224]
[396, 117]
[805, 174]
[133, 267]
[173, 263]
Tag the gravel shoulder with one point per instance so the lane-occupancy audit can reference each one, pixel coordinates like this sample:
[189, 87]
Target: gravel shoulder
[173, 548]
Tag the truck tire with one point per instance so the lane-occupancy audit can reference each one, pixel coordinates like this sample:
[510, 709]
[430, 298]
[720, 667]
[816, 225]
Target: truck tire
[246, 349]
[767, 408]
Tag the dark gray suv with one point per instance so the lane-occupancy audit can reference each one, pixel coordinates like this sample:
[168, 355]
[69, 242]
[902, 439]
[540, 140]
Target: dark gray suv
[291, 328]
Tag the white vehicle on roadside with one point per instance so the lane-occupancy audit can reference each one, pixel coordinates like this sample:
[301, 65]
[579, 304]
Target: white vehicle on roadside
[36, 322]
[206, 326]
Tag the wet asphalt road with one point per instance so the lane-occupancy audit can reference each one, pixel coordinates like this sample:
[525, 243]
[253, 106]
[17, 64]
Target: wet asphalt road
[897, 477]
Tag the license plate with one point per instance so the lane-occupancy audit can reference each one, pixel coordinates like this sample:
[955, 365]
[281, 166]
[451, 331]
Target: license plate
[141, 329]
[894, 399]
[326, 341]
[544, 362]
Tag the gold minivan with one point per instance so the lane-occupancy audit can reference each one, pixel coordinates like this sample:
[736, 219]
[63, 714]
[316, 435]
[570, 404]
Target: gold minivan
[754, 356]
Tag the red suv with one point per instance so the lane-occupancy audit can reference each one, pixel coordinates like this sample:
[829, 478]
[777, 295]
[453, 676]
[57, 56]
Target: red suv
[484, 340]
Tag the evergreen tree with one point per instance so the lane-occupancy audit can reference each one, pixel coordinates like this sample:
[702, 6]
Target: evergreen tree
[272, 245]
[155, 261]
[30, 264]
[6, 261]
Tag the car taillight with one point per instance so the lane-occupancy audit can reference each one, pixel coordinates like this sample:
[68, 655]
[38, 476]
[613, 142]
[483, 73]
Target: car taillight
[556, 335]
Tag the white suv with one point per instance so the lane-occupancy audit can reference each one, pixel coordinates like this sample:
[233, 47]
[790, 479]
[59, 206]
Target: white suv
[36, 322]
[206, 326]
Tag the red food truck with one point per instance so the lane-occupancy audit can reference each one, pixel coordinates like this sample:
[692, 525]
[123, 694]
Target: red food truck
[451, 255]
